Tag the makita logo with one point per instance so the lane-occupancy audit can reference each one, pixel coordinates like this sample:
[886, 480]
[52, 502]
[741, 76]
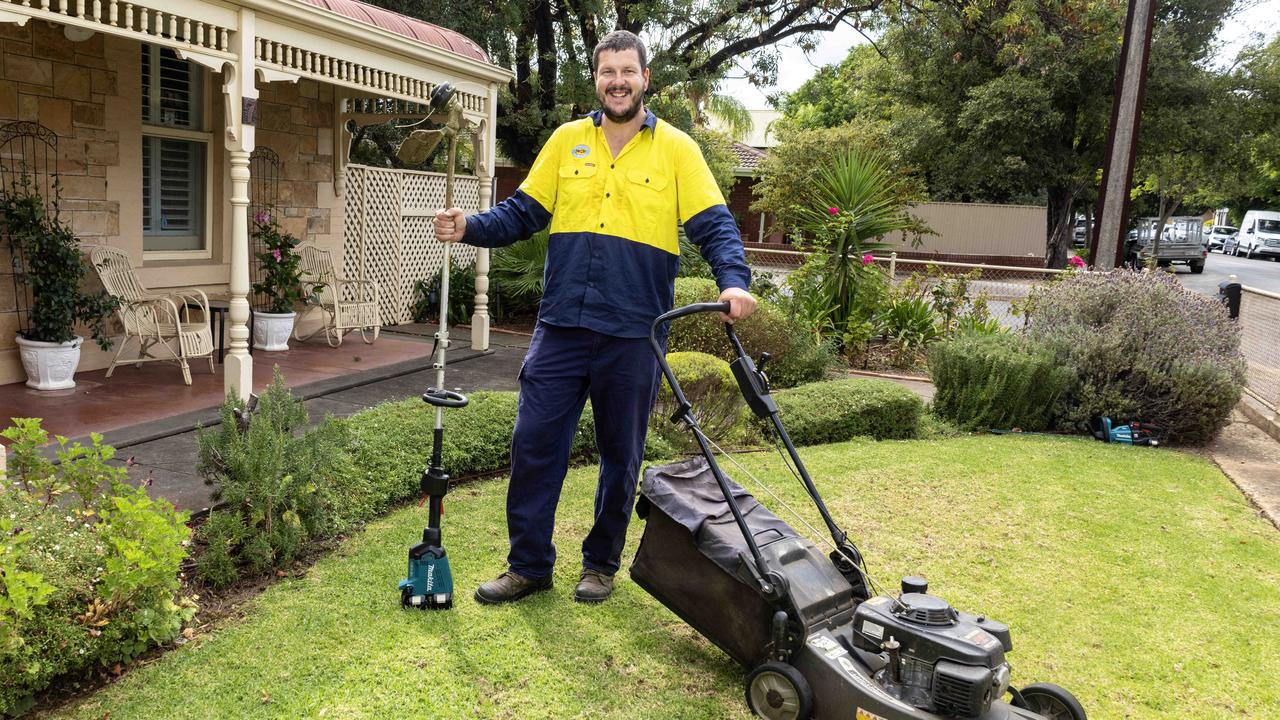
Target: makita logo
[431, 569]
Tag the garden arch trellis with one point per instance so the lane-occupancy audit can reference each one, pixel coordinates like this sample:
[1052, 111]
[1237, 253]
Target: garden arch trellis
[28, 163]
[264, 193]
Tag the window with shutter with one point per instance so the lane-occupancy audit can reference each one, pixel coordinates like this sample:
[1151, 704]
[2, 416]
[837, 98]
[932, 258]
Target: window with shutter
[174, 153]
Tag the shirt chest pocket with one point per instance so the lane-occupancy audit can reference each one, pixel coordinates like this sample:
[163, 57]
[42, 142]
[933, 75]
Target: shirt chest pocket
[650, 203]
[577, 188]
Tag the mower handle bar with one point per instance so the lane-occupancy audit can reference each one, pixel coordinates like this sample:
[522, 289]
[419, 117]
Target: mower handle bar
[748, 369]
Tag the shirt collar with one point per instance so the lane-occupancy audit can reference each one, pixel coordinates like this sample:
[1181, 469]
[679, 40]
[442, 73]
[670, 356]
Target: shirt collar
[650, 120]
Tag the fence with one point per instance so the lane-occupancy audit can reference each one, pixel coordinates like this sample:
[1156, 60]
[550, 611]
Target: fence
[1002, 286]
[388, 235]
[1259, 332]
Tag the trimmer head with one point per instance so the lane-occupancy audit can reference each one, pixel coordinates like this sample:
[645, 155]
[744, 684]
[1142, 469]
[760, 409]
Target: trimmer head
[430, 583]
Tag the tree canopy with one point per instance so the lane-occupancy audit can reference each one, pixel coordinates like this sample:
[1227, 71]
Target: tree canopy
[1004, 100]
[548, 44]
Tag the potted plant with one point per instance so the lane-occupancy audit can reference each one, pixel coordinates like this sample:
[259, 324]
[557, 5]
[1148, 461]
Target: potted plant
[50, 264]
[284, 283]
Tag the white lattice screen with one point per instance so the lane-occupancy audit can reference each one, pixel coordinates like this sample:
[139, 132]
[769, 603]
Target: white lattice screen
[388, 235]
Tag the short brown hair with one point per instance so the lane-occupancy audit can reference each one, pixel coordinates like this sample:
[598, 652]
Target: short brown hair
[618, 41]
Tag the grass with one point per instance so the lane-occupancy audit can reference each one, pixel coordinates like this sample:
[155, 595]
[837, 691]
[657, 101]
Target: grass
[1138, 578]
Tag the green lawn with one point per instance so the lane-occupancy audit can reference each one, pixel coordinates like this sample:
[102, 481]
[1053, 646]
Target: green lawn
[1138, 578]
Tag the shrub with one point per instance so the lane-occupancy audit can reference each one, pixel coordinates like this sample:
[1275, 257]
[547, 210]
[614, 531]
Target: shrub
[710, 388]
[517, 275]
[87, 582]
[281, 487]
[1141, 347]
[795, 357]
[838, 410]
[390, 445]
[1000, 380]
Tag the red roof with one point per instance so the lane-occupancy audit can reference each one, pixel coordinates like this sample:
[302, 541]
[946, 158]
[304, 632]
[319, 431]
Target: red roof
[419, 30]
[747, 156]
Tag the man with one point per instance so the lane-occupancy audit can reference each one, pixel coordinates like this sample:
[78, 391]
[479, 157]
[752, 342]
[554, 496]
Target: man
[613, 187]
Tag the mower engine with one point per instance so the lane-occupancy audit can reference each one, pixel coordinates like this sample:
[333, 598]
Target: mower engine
[939, 659]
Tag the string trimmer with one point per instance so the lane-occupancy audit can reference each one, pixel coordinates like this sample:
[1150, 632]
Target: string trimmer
[430, 582]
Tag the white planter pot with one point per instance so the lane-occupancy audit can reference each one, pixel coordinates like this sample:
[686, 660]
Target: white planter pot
[271, 330]
[50, 365]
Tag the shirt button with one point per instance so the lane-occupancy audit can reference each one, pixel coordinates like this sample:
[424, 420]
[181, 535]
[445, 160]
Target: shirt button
[607, 195]
[575, 172]
[601, 224]
[611, 167]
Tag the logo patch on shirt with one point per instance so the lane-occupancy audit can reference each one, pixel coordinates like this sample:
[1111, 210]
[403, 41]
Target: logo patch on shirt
[580, 151]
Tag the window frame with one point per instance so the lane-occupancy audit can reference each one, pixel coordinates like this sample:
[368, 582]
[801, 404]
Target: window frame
[202, 106]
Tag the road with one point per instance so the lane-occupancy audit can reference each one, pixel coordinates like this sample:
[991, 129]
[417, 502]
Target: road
[1257, 273]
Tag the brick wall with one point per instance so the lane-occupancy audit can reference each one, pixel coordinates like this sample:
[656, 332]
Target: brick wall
[65, 87]
[296, 121]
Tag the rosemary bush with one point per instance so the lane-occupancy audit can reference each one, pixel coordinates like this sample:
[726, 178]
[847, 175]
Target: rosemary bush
[1141, 347]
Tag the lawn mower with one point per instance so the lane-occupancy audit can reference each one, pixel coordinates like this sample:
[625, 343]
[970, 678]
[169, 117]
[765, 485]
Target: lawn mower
[429, 584]
[816, 636]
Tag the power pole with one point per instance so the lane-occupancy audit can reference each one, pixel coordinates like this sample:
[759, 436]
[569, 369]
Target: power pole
[1107, 248]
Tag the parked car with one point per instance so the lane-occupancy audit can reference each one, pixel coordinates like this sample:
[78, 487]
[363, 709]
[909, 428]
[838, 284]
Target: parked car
[1218, 236]
[1259, 235]
[1081, 234]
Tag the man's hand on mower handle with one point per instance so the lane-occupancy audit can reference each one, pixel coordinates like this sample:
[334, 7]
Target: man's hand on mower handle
[450, 225]
[741, 304]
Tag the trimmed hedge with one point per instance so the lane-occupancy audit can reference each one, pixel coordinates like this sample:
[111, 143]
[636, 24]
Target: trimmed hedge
[709, 386]
[839, 410]
[391, 445]
[794, 356]
[996, 381]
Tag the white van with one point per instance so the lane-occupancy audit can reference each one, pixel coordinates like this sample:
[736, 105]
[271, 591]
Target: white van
[1259, 234]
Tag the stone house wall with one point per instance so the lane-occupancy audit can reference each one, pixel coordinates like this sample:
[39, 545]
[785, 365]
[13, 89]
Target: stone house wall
[89, 94]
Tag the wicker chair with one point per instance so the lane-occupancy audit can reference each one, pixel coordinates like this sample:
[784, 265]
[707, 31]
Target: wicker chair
[156, 320]
[346, 304]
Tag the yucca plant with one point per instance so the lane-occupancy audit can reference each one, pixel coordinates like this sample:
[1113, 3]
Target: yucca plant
[855, 200]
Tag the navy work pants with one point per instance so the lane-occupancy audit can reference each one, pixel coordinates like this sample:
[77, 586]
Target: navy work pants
[565, 366]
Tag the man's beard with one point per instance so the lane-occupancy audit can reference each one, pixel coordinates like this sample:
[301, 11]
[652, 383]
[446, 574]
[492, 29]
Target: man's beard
[626, 115]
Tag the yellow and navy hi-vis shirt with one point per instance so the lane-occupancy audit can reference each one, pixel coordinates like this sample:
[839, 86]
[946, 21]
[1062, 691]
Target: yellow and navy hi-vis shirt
[614, 253]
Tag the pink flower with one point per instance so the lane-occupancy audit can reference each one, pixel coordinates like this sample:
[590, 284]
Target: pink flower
[833, 210]
[1076, 261]
[276, 255]
[262, 217]
[868, 259]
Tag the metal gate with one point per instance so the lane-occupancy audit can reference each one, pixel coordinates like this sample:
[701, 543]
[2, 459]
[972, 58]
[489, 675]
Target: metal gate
[387, 234]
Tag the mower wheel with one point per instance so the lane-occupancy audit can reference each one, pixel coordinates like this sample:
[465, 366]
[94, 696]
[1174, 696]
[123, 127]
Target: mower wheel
[1052, 701]
[777, 691]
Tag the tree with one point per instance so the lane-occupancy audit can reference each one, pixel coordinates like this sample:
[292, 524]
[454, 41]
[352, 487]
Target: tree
[1185, 149]
[1001, 100]
[548, 44]
[1254, 161]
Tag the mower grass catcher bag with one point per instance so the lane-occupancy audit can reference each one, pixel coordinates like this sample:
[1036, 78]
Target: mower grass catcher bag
[692, 557]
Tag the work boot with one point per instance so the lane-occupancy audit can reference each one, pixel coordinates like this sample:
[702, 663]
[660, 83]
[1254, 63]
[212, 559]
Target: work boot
[509, 587]
[594, 586]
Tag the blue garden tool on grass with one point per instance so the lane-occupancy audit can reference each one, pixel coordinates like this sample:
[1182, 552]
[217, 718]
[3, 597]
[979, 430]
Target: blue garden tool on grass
[1135, 433]
[430, 582]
